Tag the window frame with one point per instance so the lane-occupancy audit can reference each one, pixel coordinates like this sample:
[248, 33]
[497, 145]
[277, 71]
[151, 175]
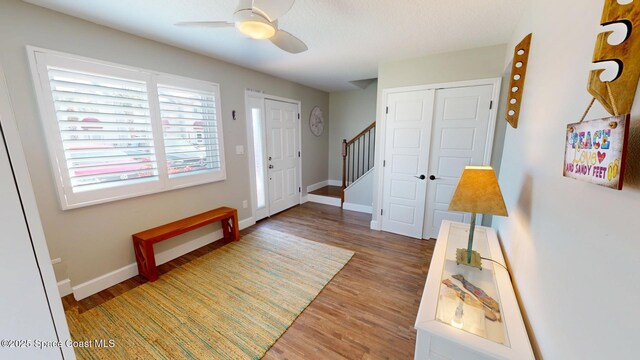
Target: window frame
[40, 59]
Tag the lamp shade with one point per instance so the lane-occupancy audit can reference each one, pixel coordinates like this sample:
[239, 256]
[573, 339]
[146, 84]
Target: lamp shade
[478, 192]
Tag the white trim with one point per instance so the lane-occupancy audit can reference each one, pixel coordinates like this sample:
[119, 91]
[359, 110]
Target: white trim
[64, 287]
[359, 179]
[382, 122]
[39, 58]
[304, 199]
[243, 224]
[335, 182]
[251, 161]
[316, 186]
[327, 200]
[106, 281]
[30, 208]
[374, 225]
[249, 93]
[357, 207]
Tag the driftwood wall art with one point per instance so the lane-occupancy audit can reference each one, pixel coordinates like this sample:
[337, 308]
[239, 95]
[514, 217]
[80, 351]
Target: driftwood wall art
[518, 72]
[626, 55]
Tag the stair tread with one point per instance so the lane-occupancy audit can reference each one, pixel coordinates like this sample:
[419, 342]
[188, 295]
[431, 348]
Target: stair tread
[329, 191]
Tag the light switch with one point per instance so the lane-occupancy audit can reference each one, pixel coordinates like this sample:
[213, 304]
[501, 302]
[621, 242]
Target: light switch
[239, 150]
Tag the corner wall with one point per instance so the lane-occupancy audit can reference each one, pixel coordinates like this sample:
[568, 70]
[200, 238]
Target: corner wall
[350, 112]
[95, 240]
[572, 247]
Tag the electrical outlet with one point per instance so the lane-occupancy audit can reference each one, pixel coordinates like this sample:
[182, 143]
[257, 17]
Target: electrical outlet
[56, 261]
[239, 150]
[245, 204]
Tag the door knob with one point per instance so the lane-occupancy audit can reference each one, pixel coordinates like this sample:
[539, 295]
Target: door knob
[433, 177]
[270, 166]
[421, 177]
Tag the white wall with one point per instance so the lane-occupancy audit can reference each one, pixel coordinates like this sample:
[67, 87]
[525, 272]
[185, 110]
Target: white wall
[480, 63]
[361, 191]
[95, 240]
[572, 247]
[350, 113]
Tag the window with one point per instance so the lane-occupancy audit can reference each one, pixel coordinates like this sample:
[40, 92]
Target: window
[115, 132]
[259, 158]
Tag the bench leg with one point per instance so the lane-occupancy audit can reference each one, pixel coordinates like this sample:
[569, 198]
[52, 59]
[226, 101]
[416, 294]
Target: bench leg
[146, 259]
[236, 229]
[230, 228]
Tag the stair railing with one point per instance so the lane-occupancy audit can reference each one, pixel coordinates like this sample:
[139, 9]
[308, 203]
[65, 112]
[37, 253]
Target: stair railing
[358, 156]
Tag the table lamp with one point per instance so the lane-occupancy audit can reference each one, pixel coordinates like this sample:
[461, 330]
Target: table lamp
[477, 192]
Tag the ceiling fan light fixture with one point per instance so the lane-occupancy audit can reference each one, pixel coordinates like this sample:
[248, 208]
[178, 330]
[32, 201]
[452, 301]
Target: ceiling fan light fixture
[254, 25]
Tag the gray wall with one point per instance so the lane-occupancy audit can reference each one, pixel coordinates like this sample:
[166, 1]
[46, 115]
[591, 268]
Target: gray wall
[480, 63]
[350, 112]
[95, 240]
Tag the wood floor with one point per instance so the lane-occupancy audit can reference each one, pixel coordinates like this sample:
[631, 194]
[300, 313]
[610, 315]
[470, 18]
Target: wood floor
[366, 312]
[331, 191]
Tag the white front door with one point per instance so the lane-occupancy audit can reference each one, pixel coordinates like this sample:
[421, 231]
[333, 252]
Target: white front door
[407, 137]
[282, 127]
[461, 134]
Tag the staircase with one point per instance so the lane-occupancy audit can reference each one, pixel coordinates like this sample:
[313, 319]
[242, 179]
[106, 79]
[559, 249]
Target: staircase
[358, 157]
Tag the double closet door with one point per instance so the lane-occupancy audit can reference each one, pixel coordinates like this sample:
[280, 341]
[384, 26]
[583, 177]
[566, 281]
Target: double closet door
[275, 137]
[430, 136]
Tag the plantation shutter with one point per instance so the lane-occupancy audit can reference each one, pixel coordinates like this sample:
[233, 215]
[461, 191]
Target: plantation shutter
[105, 128]
[191, 130]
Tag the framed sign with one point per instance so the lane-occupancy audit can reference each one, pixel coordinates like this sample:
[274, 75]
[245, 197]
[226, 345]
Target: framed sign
[595, 151]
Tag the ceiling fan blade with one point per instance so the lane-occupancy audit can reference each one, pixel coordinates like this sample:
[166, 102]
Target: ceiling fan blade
[288, 42]
[273, 9]
[210, 24]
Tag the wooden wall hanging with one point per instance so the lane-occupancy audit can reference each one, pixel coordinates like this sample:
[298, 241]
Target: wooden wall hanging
[626, 54]
[516, 88]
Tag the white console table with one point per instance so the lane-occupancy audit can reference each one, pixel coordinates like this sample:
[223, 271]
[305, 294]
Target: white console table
[450, 328]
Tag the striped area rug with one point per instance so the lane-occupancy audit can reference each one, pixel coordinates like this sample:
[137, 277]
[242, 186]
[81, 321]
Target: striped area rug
[232, 303]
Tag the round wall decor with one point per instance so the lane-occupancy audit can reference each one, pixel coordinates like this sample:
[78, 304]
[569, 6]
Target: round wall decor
[316, 121]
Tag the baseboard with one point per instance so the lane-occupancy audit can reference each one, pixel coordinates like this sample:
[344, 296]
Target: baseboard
[243, 224]
[105, 281]
[316, 186]
[335, 182]
[324, 200]
[357, 207]
[64, 287]
[374, 225]
[304, 199]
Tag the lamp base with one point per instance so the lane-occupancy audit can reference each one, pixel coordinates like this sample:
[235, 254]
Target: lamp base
[461, 258]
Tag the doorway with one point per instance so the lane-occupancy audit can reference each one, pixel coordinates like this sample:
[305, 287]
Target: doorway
[273, 131]
[431, 133]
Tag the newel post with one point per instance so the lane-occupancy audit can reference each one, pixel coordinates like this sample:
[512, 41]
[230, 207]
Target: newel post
[344, 169]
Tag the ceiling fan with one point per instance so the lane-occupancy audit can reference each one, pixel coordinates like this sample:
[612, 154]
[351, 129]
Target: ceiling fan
[258, 19]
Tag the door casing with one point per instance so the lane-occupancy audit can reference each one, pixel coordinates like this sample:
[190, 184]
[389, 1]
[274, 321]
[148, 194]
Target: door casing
[15, 152]
[376, 222]
[249, 95]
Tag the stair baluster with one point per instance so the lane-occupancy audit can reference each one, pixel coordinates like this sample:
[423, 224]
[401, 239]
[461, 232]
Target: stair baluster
[357, 156]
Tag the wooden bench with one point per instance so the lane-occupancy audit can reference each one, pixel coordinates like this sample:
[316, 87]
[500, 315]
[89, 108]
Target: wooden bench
[143, 241]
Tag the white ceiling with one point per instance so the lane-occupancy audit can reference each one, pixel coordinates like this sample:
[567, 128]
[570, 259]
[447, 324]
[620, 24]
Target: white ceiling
[347, 39]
